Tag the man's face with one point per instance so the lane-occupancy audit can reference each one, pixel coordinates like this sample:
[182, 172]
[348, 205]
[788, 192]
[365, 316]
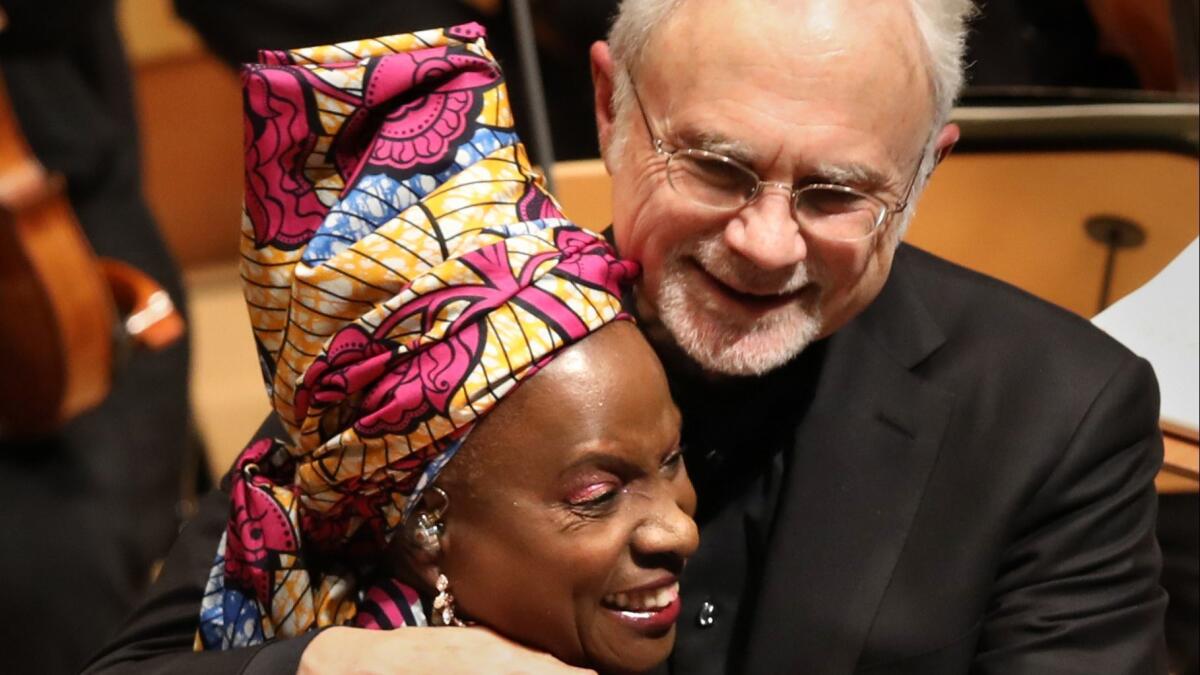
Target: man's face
[821, 91]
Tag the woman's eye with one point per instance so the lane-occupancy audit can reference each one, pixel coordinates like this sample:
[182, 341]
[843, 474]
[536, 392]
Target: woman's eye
[675, 458]
[593, 496]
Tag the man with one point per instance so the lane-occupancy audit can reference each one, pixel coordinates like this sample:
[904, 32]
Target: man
[902, 466]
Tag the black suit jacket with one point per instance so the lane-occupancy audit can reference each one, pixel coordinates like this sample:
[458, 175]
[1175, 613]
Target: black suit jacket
[970, 489]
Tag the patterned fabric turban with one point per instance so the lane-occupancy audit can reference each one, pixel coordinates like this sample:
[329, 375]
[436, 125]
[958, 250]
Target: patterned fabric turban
[404, 270]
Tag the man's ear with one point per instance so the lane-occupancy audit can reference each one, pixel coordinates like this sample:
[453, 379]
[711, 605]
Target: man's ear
[947, 138]
[602, 83]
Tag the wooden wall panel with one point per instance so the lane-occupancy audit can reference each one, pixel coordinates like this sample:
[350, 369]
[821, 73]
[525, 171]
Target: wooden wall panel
[191, 121]
[1019, 217]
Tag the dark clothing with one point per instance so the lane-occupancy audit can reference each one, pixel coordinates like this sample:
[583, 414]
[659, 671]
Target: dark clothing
[961, 479]
[70, 88]
[87, 512]
[1179, 536]
[1042, 43]
[235, 31]
[969, 488]
[164, 626]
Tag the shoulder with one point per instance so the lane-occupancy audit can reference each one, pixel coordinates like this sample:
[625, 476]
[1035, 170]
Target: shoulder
[1007, 354]
[988, 316]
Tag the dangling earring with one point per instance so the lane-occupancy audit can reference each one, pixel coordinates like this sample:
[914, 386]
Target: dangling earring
[427, 530]
[443, 605]
[427, 534]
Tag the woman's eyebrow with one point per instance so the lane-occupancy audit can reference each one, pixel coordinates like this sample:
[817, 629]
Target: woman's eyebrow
[606, 460]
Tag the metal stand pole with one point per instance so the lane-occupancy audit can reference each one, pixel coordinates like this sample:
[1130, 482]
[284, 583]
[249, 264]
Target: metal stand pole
[1114, 233]
[535, 97]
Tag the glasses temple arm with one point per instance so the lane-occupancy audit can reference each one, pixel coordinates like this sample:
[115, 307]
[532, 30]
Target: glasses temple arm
[642, 109]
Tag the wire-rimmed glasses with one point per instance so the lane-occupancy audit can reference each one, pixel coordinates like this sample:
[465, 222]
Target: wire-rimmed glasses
[827, 210]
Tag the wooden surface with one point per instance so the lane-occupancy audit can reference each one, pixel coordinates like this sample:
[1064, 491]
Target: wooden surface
[1020, 218]
[152, 32]
[1181, 465]
[190, 111]
[228, 395]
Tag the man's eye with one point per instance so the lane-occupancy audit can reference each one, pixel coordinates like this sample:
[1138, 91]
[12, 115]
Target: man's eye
[696, 174]
[718, 173]
[830, 202]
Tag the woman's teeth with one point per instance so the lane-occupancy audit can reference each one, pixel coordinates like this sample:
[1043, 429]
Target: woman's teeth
[640, 601]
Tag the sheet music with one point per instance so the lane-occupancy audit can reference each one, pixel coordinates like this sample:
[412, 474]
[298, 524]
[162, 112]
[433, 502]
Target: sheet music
[1160, 322]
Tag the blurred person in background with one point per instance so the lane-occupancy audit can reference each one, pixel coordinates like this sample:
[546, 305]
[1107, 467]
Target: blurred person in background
[87, 511]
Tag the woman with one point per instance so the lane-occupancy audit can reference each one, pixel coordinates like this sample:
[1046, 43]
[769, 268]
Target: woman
[405, 272]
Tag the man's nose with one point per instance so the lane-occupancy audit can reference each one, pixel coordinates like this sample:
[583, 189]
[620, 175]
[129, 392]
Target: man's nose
[765, 231]
[668, 530]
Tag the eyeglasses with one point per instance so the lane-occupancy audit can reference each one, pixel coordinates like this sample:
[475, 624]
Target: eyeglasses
[826, 210]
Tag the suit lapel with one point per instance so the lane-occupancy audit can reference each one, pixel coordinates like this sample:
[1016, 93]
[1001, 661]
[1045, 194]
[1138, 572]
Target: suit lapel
[863, 452]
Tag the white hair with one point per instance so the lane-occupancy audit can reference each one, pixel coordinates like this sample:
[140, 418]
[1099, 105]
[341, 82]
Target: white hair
[942, 25]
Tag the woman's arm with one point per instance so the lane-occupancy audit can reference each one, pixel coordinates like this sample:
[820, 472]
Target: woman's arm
[444, 650]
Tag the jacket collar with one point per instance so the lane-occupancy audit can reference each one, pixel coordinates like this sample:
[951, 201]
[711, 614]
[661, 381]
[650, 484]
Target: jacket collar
[898, 320]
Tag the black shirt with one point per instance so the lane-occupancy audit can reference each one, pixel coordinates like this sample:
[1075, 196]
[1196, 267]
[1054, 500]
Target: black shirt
[738, 435]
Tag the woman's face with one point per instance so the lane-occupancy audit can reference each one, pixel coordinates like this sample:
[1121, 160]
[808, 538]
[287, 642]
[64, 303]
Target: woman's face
[570, 510]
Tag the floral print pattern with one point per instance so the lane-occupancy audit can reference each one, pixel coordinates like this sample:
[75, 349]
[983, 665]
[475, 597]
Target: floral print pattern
[404, 270]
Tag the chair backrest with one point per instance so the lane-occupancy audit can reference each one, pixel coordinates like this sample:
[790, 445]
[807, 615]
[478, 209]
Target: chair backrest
[1013, 200]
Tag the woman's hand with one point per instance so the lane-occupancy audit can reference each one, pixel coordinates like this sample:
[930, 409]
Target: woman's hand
[444, 650]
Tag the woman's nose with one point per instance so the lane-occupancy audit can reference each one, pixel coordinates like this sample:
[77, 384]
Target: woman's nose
[765, 231]
[669, 529]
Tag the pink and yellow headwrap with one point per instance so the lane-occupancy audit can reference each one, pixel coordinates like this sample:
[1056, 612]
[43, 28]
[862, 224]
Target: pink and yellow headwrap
[404, 270]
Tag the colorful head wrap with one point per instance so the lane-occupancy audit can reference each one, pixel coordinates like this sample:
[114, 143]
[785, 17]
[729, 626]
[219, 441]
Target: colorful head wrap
[404, 270]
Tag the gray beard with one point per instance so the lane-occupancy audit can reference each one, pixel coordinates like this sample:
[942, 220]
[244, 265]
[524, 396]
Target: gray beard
[719, 343]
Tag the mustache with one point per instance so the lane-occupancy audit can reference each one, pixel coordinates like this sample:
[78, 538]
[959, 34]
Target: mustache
[716, 259]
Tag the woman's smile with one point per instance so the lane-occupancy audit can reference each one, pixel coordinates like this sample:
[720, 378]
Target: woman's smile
[652, 609]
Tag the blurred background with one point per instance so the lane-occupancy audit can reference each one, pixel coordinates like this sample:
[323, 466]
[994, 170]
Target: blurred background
[1076, 179]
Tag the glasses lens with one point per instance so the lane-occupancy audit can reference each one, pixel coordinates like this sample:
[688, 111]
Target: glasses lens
[837, 212]
[710, 179]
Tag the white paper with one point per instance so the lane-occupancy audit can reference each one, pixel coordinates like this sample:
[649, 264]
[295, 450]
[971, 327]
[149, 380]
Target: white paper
[1161, 322]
